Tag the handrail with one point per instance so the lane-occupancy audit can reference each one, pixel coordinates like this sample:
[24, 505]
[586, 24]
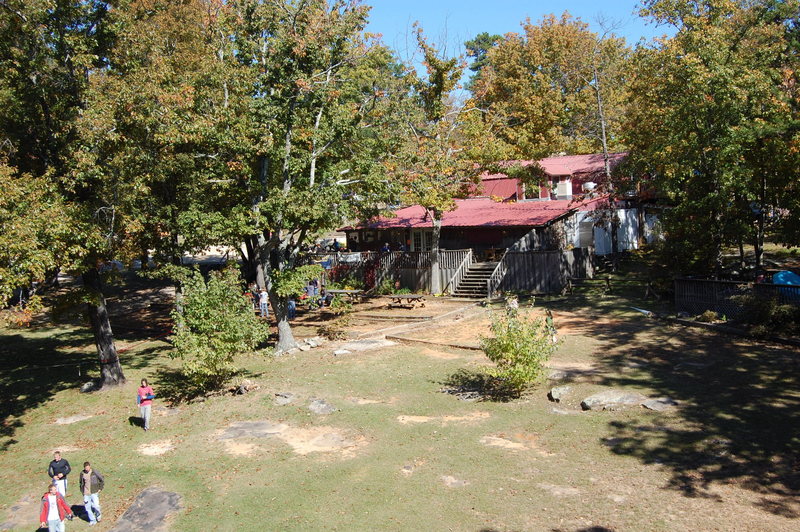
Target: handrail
[493, 282]
[455, 279]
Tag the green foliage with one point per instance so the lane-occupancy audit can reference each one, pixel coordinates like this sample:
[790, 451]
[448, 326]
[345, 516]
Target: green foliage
[216, 324]
[540, 90]
[520, 346]
[291, 282]
[767, 316]
[712, 118]
[340, 305]
[709, 316]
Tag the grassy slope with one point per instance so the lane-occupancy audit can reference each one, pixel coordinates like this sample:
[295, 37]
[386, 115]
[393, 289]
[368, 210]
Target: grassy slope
[631, 470]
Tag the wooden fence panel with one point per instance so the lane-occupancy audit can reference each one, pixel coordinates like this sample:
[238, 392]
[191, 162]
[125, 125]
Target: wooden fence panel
[545, 272]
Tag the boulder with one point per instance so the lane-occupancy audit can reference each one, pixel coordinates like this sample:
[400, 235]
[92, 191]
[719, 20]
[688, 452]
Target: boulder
[284, 398]
[89, 387]
[558, 392]
[341, 352]
[612, 400]
[557, 375]
[322, 407]
[304, 347]
[660, 404]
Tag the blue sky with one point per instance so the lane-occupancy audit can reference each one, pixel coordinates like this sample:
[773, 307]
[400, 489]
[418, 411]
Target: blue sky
[455, 21]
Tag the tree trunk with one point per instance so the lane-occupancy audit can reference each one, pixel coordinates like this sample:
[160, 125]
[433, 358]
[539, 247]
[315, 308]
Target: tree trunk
[110, 368]
[436, 285]
[286, 339]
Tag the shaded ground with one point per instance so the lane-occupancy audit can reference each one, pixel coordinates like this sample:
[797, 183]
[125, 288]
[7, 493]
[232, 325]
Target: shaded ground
[397, 451]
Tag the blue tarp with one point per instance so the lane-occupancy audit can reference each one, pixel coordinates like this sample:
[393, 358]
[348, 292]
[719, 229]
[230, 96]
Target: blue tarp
[786, 277]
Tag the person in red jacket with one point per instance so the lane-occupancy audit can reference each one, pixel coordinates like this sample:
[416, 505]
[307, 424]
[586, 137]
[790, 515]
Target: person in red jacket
[54, 510]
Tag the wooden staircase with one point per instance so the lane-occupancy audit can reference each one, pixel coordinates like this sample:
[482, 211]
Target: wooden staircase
[473, 284]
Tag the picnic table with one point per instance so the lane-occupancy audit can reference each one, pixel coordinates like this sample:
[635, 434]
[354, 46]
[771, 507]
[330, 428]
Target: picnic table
[406, 300]
[352, 294]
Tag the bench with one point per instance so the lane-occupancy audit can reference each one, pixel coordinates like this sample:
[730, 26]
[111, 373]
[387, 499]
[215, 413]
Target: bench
[406, 300]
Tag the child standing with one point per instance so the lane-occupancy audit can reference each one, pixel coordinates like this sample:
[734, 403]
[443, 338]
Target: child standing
[144, 398]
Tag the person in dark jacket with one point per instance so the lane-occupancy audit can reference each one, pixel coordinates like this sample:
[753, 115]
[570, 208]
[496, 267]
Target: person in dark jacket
[58, 471]
[91, 484]
[54, 510]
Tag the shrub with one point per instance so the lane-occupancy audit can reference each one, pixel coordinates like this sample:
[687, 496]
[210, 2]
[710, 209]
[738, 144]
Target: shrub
[767, 316]
[216, 323]
[520, 346]
[708, 316]
[333, 331]
[340, 305]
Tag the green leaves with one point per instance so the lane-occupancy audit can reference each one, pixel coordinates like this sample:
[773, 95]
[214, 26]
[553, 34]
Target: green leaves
[216, 323]
[521, 345]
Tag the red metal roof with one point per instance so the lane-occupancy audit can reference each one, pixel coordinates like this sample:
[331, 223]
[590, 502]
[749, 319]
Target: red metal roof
[567, 165]
[504, 188]
[487, 213]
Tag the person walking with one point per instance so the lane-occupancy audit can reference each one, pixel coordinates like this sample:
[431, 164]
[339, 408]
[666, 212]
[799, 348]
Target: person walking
[54, 510]
[58, 471]
[92, 482]
[144, 398]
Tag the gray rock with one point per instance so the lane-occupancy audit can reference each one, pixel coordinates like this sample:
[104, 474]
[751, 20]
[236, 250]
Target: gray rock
[88, 387]
[660, 404]
[149, 511]
[315, 342]
[558, 392]
[322, 407]
[284, 398]
[612, 400]
[558, 375]
[341, 352]
[304, 347]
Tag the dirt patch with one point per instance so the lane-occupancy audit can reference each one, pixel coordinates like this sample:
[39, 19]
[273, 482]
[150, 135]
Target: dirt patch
[364, 401]
[560, 491]
[442, 355]
[453, 482]
[71, 419]
[515, 442]
[303, 441]
[156, 448]
[321, 440]
[444, 420]
[240, 448]
[503, 443]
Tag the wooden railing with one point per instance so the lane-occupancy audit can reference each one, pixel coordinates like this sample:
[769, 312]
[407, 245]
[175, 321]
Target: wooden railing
[455, 279]
[493, 283]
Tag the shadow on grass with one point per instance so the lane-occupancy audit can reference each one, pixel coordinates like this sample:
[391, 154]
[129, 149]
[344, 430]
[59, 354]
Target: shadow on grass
[174, 387]
[739, 407]
[477, 385]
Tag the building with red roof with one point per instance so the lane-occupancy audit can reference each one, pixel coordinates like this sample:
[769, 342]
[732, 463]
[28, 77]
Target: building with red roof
[501, 215]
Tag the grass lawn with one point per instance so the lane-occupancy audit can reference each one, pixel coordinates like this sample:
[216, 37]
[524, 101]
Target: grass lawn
[399, 454]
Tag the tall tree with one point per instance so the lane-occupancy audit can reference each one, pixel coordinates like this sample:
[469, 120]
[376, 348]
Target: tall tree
[319, 107]
[48, 49]
[553, 88]
[432, 166]
[718, 131]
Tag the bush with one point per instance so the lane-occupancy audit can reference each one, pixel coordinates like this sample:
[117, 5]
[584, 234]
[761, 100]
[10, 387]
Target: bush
[520, 347]
[768, 316]
[216, 323]
[708, 316]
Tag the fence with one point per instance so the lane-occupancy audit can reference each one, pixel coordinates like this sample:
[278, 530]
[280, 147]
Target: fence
[696, 296]
[544, 272]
